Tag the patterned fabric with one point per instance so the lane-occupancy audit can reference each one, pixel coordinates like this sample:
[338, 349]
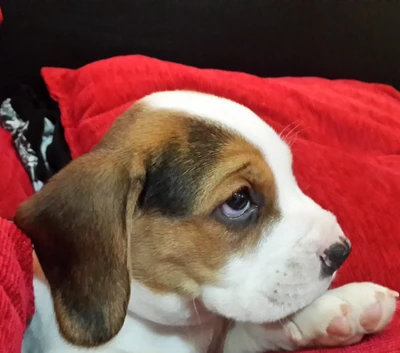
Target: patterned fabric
[18, 127]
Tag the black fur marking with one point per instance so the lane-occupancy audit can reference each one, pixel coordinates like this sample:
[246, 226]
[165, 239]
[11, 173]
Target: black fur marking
[175, 173]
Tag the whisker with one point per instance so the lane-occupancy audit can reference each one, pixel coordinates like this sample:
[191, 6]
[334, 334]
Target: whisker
[291, 135]
[287, 127]
[294, 126]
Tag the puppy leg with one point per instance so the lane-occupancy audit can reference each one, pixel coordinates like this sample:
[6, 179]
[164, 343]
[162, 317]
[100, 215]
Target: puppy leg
[343, 316]
[340, 317]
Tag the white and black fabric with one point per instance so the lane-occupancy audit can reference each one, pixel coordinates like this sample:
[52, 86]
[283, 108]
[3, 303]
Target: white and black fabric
[37, 135]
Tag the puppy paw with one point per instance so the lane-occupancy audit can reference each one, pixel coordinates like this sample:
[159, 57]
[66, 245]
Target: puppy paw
[343, 316]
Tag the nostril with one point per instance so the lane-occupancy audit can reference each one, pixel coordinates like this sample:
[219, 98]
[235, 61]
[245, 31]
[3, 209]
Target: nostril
[338, 253]
[334, 257]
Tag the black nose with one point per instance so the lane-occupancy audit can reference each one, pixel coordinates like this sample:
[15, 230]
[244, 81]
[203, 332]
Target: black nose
[334, 257]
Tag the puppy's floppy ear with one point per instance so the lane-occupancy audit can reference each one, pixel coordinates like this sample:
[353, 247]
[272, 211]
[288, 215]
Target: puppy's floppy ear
[78, 225]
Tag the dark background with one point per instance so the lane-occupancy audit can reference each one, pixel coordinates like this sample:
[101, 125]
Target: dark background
[332, 39]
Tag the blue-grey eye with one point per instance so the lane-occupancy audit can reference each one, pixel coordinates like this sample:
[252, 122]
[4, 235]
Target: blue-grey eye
[237, 205]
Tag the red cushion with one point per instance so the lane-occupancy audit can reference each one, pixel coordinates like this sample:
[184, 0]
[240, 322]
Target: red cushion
[345, 137]
[15, 185]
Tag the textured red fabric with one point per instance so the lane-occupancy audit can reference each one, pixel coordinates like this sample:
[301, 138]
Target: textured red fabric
[15, 185]
[16, 294]
[345, 137]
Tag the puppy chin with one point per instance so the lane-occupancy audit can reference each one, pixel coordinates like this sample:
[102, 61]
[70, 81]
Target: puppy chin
[278, 301]
[258, 308]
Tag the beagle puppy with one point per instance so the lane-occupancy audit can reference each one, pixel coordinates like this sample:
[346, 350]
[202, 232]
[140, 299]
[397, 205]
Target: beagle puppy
[184, 231]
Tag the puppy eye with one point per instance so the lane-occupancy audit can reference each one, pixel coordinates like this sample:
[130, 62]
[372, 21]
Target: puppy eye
[237, 205]
[238, 210]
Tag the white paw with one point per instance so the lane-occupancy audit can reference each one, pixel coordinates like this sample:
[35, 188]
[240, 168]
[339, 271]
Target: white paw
[342, 316]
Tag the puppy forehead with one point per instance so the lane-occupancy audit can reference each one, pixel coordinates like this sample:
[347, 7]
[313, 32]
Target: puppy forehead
[235, 117]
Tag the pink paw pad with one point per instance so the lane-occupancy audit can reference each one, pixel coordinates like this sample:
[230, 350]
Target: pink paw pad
[373, 314]
[340, 325]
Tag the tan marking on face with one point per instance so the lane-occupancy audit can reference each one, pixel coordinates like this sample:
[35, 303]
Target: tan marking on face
[240, 165]
[143, 130]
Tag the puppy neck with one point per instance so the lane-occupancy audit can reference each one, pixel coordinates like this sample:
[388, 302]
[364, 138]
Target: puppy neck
[166, 309]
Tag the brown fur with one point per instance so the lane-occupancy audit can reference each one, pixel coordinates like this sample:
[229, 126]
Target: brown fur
[101, 221]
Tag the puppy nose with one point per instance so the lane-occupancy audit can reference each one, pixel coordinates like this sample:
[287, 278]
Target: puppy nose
[334, 257]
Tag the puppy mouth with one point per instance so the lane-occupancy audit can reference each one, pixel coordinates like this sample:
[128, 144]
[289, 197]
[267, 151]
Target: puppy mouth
[291, 295]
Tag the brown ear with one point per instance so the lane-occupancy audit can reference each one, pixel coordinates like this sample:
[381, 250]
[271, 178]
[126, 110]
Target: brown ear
[77, 224]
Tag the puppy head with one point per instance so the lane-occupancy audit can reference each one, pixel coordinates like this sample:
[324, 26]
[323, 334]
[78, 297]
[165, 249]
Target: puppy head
[188, 194]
